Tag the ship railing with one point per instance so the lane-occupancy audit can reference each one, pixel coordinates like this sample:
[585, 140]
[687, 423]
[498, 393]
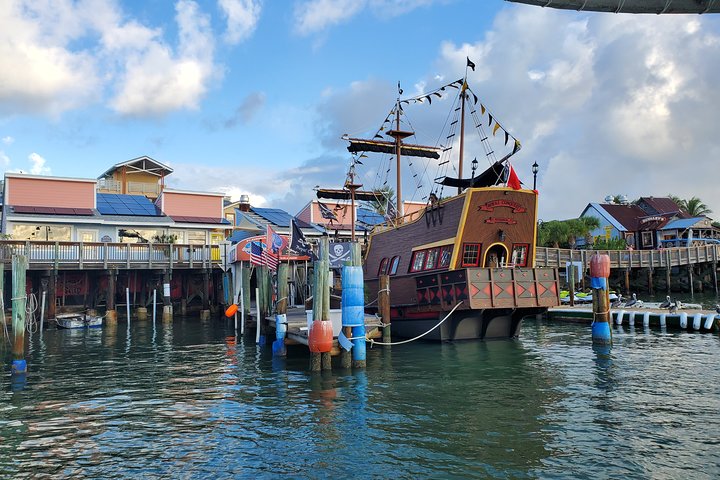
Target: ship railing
[86, 255]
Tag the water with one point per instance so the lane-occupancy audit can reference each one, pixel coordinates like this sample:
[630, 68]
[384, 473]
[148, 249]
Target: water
[186, 401]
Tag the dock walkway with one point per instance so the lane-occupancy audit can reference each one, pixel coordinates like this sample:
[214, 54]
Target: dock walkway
[690, 320]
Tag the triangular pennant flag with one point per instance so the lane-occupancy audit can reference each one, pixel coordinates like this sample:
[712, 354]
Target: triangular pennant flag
[482, 109]
[429, 98]
[490, 119]
[507, 137]
[470, 64]
[513, 180]
[495, 128]
[517, 146]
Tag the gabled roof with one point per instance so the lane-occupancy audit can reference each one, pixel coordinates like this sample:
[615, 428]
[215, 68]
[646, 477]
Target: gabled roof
[609, 218]
[144, 164]
[627, 215]
[659, 205]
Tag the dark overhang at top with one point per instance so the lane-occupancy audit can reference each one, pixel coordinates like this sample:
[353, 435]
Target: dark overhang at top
[630, 6]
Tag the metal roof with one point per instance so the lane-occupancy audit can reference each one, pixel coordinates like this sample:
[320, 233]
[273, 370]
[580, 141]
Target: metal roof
[682, 223]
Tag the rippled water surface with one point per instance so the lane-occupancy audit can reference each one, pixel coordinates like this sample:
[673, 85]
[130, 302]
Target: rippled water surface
[187, 401]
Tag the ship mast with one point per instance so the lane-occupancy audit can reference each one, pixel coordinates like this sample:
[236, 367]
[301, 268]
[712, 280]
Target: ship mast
[462, 130]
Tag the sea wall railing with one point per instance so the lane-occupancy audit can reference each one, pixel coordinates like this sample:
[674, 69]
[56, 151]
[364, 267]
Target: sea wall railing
[662, 258]
[79, 255]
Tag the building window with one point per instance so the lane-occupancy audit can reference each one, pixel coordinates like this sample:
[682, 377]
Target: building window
[445, 254]
[471, 254]
[647, 239]
[418, 261]
[383, 267]
[394, 265]
[519, 256]
[230, 217]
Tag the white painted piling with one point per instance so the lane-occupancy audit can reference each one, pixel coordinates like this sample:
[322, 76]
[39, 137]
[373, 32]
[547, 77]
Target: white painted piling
[697, 321]
[631, 318]
[683, 320]
[42, 310]
[646, 319]
[663, 320]
[127, 303]
[619, 317]
[154, 304]
[709, 320]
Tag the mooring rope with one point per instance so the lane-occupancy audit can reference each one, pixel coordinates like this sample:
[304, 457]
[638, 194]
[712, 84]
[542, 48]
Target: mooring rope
[5, 327]
[31, 306]
[373, 342]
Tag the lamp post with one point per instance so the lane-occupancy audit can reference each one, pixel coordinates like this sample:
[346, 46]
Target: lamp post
[535, 169]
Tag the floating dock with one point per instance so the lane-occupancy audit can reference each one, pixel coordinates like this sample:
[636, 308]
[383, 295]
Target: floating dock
[690, 320]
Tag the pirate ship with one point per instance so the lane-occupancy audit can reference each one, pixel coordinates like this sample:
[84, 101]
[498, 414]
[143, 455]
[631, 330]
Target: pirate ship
[467, 259]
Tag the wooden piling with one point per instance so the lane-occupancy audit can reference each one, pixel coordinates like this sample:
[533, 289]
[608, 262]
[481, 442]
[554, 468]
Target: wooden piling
[19, 301]
[667, 270]
[110, 313]
[715, 279]
[384, 306]
[167, 315]
[690, 274]
[627, 282]
[651, 287]
[205, 313]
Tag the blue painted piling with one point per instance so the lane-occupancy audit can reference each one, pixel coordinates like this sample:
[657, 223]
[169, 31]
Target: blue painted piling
[353, 312]
[599, 272]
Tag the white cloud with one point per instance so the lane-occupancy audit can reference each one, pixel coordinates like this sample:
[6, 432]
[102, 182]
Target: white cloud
[58, 55]
[242, 18]
[8, 140]
[38, 165]
[312, 16]
[156, 81]
[4, 159]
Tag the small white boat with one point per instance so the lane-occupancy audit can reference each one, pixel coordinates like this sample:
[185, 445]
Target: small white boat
[78, 320]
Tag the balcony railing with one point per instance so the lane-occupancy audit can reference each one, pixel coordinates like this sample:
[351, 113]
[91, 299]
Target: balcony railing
[78, 255]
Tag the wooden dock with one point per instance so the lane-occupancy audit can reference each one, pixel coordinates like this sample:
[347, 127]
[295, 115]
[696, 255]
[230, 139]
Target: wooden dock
[667, 257]
[297, 332]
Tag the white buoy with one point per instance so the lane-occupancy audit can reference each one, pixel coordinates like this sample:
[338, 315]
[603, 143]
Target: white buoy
[631, 318]
[619, 317]
[697, 320]
[709, 320]
[663, 320]
[683, 320]
[646, 319]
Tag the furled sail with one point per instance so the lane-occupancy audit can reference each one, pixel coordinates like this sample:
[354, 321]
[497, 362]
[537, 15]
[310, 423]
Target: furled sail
[358, 145]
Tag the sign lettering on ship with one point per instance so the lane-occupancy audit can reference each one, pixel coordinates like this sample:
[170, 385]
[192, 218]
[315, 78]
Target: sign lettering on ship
[493, 204]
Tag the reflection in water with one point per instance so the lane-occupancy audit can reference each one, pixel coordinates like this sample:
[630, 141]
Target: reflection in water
[190, 399]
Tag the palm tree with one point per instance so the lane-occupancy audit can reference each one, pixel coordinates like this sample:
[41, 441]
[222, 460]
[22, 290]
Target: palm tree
[384, 195]
[694, 207]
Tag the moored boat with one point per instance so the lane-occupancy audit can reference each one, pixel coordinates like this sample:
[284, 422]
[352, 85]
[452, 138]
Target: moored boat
[78, 320]
[462, 267]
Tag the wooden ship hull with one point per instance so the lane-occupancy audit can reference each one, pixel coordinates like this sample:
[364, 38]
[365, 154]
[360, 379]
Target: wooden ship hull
[474, 251]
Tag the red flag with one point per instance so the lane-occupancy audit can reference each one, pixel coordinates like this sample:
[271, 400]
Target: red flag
[513, 180]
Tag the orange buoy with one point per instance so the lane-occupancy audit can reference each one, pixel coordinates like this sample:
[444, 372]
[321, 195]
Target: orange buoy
[231, 310]
[320, 338]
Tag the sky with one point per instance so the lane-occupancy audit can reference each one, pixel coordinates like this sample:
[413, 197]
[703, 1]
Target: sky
[253, 97]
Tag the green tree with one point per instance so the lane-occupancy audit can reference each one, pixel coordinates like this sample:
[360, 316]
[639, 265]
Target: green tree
[385, 195]
[565, 233]
[694, 207]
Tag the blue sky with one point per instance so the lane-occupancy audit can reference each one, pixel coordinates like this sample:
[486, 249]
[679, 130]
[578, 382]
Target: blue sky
[251, 96]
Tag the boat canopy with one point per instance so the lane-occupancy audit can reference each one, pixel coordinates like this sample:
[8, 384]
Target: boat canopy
[497, 173]
[342, 194]
[358, 145]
